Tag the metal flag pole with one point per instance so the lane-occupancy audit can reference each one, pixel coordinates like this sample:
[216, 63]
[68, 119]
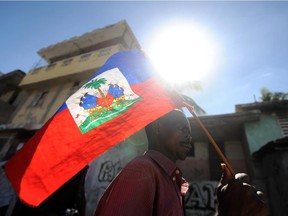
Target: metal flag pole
[191, 110]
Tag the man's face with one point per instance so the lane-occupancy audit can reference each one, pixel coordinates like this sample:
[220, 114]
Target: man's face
[174, 135]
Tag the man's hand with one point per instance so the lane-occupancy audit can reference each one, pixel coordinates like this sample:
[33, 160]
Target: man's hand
[236, 197]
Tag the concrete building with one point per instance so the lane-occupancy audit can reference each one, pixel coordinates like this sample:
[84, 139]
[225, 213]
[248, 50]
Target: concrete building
[268, 145]
[202, 167]
[70, 64]
[271, 163]
[255, 129]
[9, 91]
[9, 100]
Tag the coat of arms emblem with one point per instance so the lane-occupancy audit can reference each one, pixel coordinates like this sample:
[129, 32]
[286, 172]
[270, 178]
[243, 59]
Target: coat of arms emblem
[101, 99]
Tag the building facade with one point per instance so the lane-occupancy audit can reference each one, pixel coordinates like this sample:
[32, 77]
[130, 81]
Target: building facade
[70, 64]
[268, 146]
[9, 91]
[241, 136]
[44, 89]
[9, 100]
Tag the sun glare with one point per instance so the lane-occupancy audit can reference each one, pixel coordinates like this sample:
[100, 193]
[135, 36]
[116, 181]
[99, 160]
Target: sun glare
[182, 52]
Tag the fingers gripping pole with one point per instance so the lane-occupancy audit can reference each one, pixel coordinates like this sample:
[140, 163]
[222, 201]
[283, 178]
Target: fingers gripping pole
[190, 108]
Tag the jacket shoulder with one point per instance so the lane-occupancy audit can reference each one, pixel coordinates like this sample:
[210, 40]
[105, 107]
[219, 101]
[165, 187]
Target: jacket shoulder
[142, 164]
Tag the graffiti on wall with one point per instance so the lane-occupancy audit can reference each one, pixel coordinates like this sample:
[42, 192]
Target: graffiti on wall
[200, 200]
[101, 172]
[108, 170]
[105, 168]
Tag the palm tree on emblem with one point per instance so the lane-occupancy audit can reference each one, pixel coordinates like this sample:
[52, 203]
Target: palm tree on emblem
[96, 84]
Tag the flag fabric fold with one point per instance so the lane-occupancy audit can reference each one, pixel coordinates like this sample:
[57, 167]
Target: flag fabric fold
[122, 97]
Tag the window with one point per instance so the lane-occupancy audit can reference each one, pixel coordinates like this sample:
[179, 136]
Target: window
[19, 146]
[74, 88]
[67, 62]
[104, 52]
[7, 146]
[13, 147]
[39, 99]
[2, 143]
[84, 57]
[76, 84]
[50, 67]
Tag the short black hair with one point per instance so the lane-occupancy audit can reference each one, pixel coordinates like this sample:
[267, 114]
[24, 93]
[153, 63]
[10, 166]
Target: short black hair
[150, 128]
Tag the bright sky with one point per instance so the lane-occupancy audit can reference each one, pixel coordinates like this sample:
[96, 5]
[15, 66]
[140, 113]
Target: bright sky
[249, 40]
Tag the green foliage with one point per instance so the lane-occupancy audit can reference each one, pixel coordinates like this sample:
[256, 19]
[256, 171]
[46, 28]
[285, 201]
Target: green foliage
[267, 95]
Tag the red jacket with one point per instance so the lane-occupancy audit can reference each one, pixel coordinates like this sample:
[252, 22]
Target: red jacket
[146, 186]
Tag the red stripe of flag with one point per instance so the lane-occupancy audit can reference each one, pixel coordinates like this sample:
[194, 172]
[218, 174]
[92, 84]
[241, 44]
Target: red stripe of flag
[59, 150]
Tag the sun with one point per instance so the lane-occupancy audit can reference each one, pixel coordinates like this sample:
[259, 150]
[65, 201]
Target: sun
[182, 52]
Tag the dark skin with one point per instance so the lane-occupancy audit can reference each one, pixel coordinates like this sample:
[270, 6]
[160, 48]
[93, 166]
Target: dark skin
[236, 196]
[170, 135]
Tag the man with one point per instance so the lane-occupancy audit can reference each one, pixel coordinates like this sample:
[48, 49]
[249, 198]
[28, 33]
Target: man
[152, 184]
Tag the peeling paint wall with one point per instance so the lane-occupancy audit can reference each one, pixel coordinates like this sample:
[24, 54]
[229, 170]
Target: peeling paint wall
[261, 132]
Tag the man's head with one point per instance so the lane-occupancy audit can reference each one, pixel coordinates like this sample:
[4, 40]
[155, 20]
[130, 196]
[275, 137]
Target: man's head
[170, 135]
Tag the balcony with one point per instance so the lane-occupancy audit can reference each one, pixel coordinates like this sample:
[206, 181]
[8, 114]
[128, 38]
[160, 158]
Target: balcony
[70, 68]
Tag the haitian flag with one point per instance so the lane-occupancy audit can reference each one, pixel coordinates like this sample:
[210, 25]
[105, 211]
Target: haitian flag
[122, 97]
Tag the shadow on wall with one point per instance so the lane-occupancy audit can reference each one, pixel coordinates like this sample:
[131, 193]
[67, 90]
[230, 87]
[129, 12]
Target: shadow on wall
[105, 168]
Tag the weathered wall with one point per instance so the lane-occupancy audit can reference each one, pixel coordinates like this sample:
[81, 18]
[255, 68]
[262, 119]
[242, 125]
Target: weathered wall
[105, 168]
[235, 154]
[6, 110]
[6, 191]
[70, 66]
[261, 132]
[196, 167]
[275, 170]
[201, 198]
